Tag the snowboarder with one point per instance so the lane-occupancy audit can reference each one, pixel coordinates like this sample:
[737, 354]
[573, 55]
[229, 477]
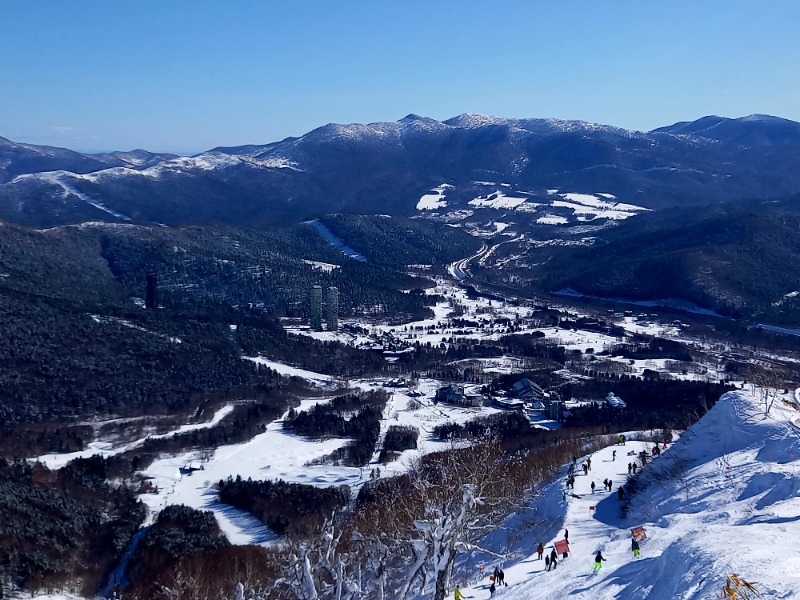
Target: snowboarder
[598, 562]
[593, 487]
[613, 455]
[635, 548]
[547, 563]
[457, 595]
[540, 550]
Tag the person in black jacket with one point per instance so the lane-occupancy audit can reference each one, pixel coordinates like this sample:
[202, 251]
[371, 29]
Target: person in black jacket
[598, 561]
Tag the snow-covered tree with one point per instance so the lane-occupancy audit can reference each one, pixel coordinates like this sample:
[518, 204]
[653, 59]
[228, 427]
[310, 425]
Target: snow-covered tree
[453, 498]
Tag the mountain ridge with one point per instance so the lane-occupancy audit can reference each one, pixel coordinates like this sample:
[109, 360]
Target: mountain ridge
[386, 167]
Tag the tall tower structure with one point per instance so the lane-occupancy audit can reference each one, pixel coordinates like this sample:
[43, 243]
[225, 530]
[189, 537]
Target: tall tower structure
[332, 315]
[151, 290]
[315, 308]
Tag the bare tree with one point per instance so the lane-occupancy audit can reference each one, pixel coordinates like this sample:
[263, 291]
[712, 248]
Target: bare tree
[452, 498]
[769, 380]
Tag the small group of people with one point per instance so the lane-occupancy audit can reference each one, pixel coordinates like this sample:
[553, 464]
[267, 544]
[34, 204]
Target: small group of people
[607, 483]
[632, 467]
[498, 578]
[551, 562]
[656, 451]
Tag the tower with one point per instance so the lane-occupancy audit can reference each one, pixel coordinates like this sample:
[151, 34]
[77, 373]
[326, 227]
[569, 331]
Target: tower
[332, 315]
[151, 291]
[315, 308]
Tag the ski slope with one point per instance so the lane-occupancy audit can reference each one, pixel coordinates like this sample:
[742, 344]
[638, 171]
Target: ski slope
[723, 499]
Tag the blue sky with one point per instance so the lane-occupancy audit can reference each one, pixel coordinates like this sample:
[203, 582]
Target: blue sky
[185, 76]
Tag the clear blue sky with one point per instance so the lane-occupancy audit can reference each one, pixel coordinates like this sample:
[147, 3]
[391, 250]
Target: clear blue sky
[185, 76]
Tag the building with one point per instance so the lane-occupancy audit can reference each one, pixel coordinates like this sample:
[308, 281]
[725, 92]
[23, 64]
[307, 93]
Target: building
[332, 313]
[315, 308]
[151, 290]
[455, 394]
[527, 390]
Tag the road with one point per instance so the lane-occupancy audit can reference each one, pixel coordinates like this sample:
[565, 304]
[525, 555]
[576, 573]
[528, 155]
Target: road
[460, 269]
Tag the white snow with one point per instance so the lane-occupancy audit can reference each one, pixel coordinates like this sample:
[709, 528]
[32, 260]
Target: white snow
[435, 198]
[500, 227]
[289, 371]
[58, 178]
[552, 220]
[498, 200]
[723, 499]
[322, 266]
[109, 448]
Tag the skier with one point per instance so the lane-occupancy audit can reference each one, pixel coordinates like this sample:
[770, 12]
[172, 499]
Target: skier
[566, 535]
[621, 493]
[630, 468]
[589, 463]
[540, 550]
[593, 487]
[623, 439]
[457, 595]
[553, 558]
[491, 590]
[598, 562]
[547, 563]
[585, 469]
[501, 578]
[635, 548]
[613, 455]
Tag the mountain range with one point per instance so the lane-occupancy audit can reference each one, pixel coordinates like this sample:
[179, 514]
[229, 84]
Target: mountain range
[387, 168]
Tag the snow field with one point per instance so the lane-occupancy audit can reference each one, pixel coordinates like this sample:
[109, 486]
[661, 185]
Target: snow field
[722, 499]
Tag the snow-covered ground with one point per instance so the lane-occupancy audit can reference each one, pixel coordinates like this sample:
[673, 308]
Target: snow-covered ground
[486, 313]
[278, 454]
[586, 207]
[435, 198]
[723, 499]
